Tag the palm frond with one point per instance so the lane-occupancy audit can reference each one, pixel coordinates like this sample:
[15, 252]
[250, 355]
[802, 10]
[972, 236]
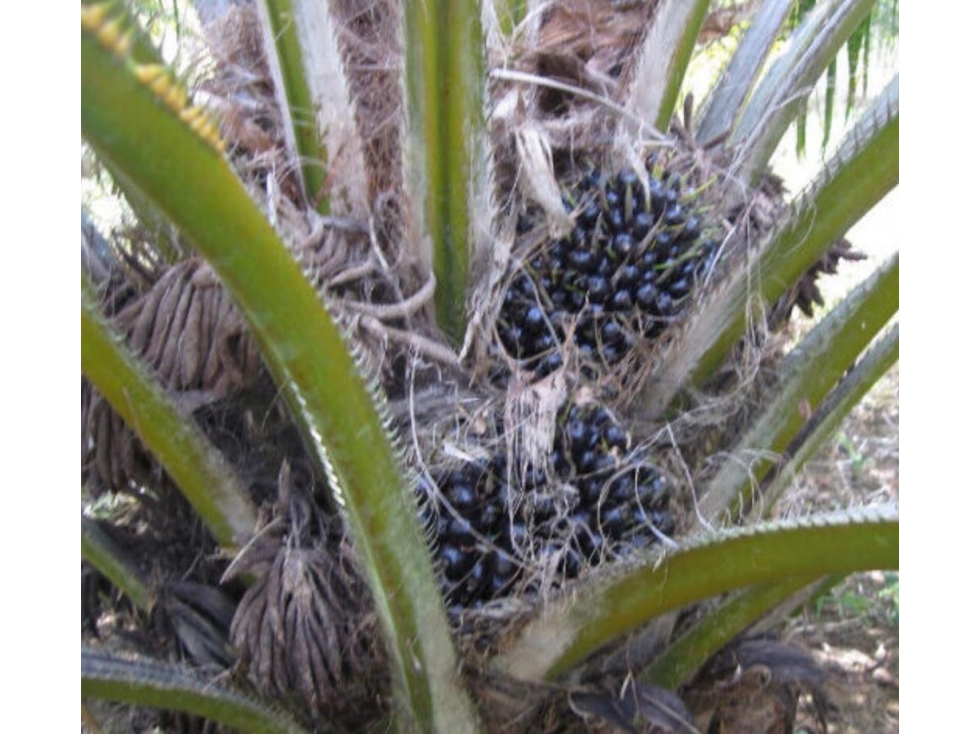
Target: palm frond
[585, 621]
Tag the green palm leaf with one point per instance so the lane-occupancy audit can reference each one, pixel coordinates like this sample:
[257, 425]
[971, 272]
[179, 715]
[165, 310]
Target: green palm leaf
[302, 347]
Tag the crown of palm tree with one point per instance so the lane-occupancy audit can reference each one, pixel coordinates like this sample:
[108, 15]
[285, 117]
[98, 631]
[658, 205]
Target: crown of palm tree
[440, 366]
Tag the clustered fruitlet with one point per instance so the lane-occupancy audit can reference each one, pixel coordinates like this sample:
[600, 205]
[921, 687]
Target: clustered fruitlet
[624, 273]
[595, 499]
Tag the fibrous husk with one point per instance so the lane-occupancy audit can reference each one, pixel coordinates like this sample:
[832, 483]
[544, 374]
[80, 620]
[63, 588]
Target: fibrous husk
[304, 628]
[112, 456]
[187, 329]
[241, 93]
[188, 332]
[587, 42]
[240, 89]
[357, 264]
[371, 43]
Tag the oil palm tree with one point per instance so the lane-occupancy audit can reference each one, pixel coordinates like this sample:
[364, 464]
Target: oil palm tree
[440, 384]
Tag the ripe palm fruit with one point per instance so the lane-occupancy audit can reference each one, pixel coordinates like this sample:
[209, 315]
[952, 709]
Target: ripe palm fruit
[594, 499]
[627, 269]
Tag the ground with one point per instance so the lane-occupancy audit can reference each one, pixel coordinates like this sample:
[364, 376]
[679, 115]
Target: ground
[853, 631]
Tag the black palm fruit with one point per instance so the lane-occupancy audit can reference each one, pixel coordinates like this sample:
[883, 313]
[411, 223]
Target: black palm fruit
[636, 253]
[594, 499]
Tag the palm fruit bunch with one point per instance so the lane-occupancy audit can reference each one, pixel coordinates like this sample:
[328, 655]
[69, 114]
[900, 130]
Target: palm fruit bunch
[628, 268]
[594, 499]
